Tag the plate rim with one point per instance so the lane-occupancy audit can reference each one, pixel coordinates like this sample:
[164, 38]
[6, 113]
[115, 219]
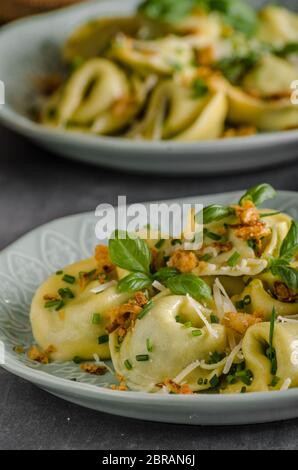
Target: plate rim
[90, 391]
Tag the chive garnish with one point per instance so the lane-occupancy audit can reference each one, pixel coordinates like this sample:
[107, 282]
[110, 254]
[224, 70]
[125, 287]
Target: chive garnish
[78, 360]
[103, 339]
[160, 243]
[128, 364]
[59, 272]
[214, 381]
[187, 324]
[178, 319]
[56, 304]
[212, 235]
[216, 357]
[146, 309]
[247, 300]
[196, 333]
[200, 381]
[214, 318]
[245, 375]
[142, 357]
[96, 318]
[275, 381]
[206, 257]
[271, 353]
[239, 305]
[65, 292]
[243, 390]
[233, 260]
[69, 279]
[149, 345]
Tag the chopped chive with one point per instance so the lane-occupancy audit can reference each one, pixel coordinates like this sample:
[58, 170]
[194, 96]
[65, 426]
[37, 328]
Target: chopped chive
[247, 300]
[239, 305]
[69, 279]
[230, 379]
[200, 381]
[214, 381]
[216, 357]
[56, 304]
[146, 309]
[128, 364]
[212, 235]
[103, 339]
[252, 243]
[160, 243]
[275, 381]
[206, 257]
[96, 318]
[65, 292]
[243, 390]
[78, 360]
[178, 319]
[149, 345]
[196, 333]
[245, 375]
[142, 357]
[187, 324]
[59, 272]
[269, 214]
[233, 260]
[205, 381]
[271, 353]
[214, 318]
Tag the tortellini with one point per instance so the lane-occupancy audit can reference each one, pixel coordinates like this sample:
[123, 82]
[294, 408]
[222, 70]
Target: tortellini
[71, 330]
[148, 77]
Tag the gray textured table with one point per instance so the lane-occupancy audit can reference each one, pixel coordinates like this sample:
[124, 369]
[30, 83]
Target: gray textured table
[36, 187]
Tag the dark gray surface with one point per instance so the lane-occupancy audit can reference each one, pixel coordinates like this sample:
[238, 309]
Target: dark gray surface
[36, 187]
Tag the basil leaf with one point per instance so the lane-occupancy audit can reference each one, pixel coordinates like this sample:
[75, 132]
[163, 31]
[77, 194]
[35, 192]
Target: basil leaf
[286, 274]
[165, 273]
[199, 88]
[236, 67]
[216, 212]
[167, 10]
[237, 13]
[134, 282]
[189, 284]
[258, 194]
[284, 51]
[289, 246]
[128, 253]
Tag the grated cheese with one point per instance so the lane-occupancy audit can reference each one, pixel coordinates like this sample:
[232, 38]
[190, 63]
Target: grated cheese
[158, 285]
[102, 287]
[228, 305]
[196, 306]
[231, 357]
[185, 372]
[98, 362]
[286, 384]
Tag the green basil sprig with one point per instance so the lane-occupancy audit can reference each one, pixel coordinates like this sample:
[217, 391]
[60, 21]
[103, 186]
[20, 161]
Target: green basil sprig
[281, 267]
[270, 352]
[258, 194]
[286, 273]
[289, 246]
[189, 284]
[134, 282]
[216, 212]
[163, 274]
[130, 253]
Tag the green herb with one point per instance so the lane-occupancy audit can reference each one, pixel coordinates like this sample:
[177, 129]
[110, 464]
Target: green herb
[206, 257]
[216, 212]
[134, 282]
[142, 357]
[69, 279]
[212, 235]
[178, 319]
[187, 324]
[103, 339]
[214, 382]
[52, 112]
[128, 253]
[286, 273]
[233, 260]
[252, 243]
[239, 305]
[189, 284]
[246, 376]
[289, 246]
[149, 345]
[271, 353]
[214, 318]
[59, 272]
[196, 333]
[128, 364]
[287, 49]
[269, 214]
[55, 304]
[258, 194]
[243, 390]
[200, 381]
[96, 318]
[199, 88]
[216, 357]
[76, 63]
[65, 292]
[236, 67]
[275, 381]
[78, 360]
[160, 243]
[247, 300]
[146, 309]
[165, 273]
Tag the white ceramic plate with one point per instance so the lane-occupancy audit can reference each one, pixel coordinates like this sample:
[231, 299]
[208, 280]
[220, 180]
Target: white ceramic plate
[31, 47]
[23, 267]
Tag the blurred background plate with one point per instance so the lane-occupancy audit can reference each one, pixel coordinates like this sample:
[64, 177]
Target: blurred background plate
[30, 48]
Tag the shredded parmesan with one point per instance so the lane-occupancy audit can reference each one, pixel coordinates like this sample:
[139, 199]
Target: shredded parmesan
[286, 320]
[213, 366]
[185, 372]
[102, 287]
[157, 285]
[286, 384]
[196, 306]
[228, 305]
[98, 362]
[231, 357]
